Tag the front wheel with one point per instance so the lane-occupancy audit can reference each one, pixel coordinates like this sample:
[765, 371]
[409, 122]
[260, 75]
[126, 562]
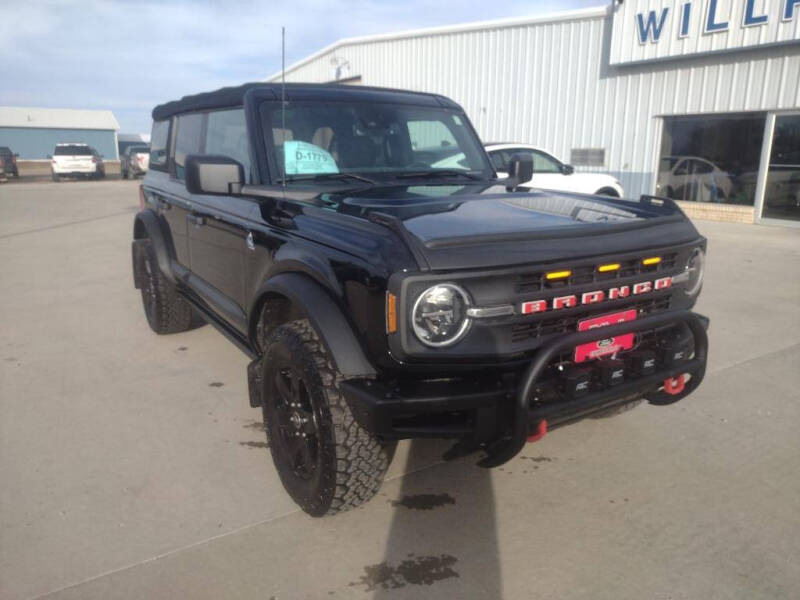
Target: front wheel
[326, 461]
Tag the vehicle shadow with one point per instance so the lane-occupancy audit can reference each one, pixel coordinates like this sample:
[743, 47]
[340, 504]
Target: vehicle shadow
[442, 541]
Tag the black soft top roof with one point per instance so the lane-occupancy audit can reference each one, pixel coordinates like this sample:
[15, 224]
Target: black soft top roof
[234, 96]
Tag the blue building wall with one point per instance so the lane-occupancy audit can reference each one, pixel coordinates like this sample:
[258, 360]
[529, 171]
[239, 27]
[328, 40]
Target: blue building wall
[32, 143]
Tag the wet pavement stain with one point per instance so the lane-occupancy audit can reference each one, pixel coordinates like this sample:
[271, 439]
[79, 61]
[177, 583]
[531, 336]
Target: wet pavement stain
[424, 501]
[183, 349]
[537, 459]
[216, 384]
[11, 359]
[422, 570]
[254, 444]
[257, 425]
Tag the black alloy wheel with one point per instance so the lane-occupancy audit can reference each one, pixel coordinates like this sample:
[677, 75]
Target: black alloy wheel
[297, 422]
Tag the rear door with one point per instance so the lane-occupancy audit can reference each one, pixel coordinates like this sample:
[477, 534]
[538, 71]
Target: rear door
[168, 196]
[218, 225]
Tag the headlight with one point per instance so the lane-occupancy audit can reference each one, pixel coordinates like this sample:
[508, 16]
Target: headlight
[695, 269]
[439, 317]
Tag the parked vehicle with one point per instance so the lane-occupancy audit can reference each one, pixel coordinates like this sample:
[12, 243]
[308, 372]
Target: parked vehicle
[76, 160]
[8, 162]
[134, 161]
[549, 173]
[693, 178]
[379, 297]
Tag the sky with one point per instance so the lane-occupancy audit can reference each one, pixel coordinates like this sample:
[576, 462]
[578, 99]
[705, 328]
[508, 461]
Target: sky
[130, 55]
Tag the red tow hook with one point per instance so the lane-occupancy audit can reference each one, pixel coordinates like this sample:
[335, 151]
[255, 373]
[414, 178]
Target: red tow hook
[674, 385]
[541, 431]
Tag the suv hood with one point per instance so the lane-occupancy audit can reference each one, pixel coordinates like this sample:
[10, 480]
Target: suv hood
[483, 225]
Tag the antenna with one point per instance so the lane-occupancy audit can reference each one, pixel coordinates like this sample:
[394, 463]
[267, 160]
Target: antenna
[283, 101]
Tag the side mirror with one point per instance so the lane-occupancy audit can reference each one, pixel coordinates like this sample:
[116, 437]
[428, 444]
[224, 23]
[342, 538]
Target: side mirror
[213, 174]
[520, 170]
[567, 169]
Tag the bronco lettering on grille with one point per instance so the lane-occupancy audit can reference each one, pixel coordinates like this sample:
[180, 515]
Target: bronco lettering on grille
[537, 306]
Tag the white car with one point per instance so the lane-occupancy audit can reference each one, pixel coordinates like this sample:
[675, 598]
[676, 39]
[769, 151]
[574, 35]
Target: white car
[71, 160]
[693, 178]
[549, 173]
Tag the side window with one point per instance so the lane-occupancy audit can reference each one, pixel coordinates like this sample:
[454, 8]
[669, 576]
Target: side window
[158, 146]
[702, 167]
[683, 168]
[226, 134]
[430, 134]
[542, 163]
[187, 140]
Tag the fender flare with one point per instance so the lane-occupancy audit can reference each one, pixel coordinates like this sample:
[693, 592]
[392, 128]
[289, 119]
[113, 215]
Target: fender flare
[159, 237]
[327, 319]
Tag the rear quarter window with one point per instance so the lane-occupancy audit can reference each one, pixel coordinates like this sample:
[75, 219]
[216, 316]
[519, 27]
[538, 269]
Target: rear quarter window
[159, 140]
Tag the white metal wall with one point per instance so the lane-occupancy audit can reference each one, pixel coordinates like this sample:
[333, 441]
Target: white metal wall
[549, 83]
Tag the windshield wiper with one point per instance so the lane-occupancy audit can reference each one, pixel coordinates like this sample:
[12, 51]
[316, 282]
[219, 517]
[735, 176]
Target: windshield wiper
[440, 173]
[326, 176]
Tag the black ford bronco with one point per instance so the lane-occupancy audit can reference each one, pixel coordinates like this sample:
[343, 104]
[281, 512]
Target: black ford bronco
[357, 245]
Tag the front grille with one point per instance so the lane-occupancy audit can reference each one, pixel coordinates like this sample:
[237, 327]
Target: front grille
[583, 275]
[553, 325]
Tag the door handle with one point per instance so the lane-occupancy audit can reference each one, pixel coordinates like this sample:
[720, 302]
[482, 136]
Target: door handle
[196, 220]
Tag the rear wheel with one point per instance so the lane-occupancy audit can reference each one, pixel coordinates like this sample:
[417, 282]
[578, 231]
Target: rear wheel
[326, 461]
[125, 174]
[56, 177]
[611, 192]
[165, 309]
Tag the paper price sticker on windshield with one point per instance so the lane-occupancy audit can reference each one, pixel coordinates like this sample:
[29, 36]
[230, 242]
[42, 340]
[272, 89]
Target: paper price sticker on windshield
[302, 158]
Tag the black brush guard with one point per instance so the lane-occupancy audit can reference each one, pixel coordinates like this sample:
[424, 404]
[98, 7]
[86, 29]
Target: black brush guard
[504, 450]
[379, 408]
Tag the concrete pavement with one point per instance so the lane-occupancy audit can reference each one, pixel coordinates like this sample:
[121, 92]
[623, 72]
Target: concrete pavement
[132, 466]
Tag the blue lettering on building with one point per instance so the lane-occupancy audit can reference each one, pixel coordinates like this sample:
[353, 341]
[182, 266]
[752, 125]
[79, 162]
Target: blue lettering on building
[654, 25]
[686, 14]
[712, 24]
[788, 9]
[651, 24]
[750, 18]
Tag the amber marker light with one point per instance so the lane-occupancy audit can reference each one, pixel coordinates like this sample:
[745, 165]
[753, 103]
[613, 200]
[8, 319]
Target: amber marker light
[391, 313]
[653, 260]
[558, 275]
[608, 268]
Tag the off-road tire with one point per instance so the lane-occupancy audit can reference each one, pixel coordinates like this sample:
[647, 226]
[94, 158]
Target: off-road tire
[165, 309]
[350, 462]
[618, 410]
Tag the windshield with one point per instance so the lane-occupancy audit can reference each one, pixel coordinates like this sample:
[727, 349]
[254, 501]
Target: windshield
[315, 140]
[139, 149]
[73, 150]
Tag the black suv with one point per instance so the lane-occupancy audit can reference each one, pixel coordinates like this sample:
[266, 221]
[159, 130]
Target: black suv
[356, 245]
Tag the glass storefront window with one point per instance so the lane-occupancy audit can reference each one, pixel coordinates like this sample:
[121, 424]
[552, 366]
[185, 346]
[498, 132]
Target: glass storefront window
[711, 158]
[782, 191]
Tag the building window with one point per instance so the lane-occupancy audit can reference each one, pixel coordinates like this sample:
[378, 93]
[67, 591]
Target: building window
[711, 158]
[226, 135]
[782, 191]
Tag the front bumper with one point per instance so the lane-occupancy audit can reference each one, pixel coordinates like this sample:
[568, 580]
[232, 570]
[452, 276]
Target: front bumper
[496, 414]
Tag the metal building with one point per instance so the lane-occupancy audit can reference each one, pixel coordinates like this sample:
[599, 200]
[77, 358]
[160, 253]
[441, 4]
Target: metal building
[34, 132]
[695, 99]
